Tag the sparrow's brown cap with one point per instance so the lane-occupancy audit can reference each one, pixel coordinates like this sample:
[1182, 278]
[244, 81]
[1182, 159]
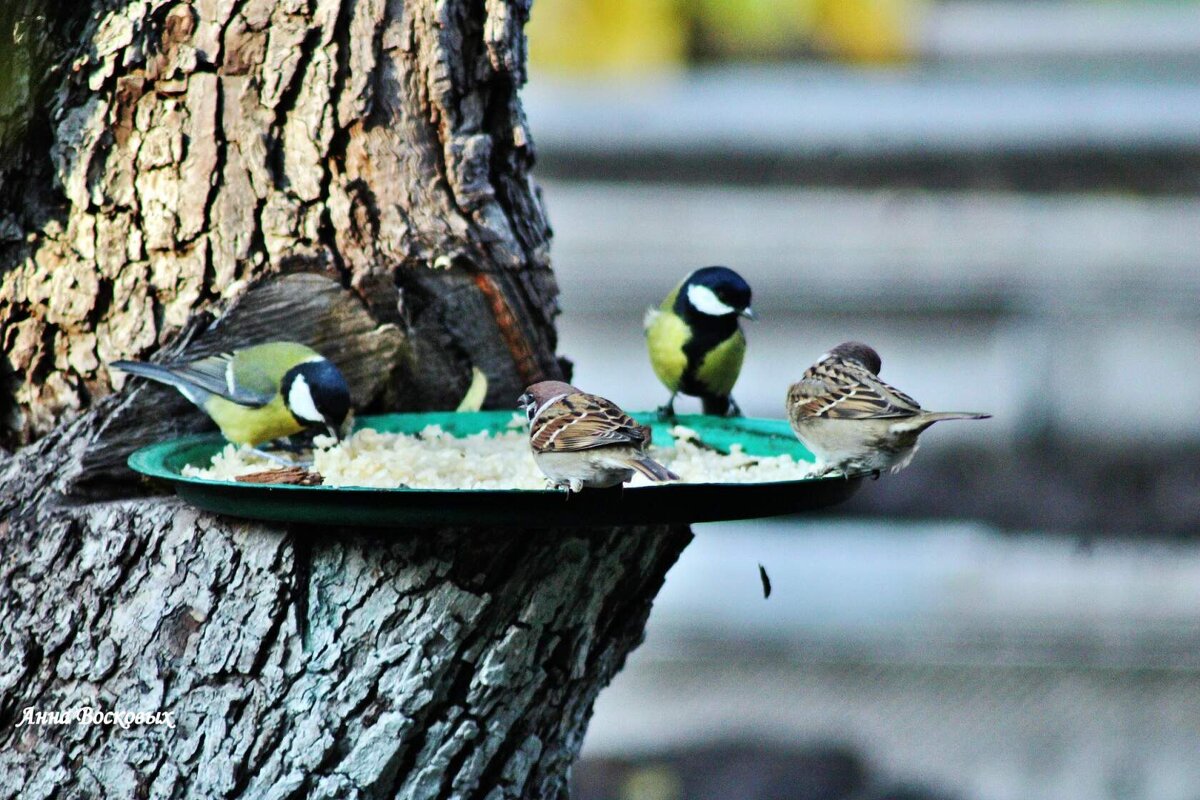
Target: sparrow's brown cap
[544, 390]
[857, 351]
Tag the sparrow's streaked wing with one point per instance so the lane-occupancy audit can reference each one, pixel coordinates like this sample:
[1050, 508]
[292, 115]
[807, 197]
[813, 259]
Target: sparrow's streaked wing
[834, 389]
[584, 421]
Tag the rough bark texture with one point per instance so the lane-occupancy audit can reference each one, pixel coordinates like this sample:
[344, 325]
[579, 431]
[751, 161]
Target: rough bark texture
[194, 147]
[311, 663]
[180, 178]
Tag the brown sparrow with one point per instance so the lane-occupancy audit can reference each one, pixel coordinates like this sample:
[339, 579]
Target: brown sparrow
[854, 422]
[580, 440]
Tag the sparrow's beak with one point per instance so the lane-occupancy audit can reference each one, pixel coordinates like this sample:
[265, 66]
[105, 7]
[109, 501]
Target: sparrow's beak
[748, 313]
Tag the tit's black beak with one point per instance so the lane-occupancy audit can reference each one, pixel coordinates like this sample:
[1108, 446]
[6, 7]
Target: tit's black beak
[748, 313]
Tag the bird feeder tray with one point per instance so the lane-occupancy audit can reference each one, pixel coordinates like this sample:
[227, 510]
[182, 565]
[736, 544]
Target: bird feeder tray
[405, 507]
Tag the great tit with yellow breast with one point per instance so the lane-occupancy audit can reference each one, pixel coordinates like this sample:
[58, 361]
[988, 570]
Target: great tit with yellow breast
[696, 344]
[259, 393]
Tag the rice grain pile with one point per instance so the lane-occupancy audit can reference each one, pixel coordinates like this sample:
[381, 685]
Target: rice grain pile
[433, 459]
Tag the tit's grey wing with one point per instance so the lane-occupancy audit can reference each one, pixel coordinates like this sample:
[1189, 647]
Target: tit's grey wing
[201, 379]
[216, 374]
[837, 390]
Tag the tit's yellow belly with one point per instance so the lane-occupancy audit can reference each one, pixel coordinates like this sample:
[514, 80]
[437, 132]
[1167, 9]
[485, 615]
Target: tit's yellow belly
[252, 426]
[666, 334]
[719, 370]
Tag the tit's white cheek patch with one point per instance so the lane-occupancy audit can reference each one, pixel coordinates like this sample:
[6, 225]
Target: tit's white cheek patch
[705, 301]
[300, 401]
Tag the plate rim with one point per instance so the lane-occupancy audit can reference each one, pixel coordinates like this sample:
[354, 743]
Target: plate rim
[149, 460]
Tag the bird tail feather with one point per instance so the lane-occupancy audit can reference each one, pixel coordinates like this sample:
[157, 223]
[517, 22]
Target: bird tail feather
[154, 372]
[652, 469]
[938, 416]
[161, 374]
[922, 421]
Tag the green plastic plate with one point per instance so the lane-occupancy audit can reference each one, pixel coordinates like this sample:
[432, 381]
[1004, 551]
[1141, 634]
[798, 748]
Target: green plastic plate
[351, 506]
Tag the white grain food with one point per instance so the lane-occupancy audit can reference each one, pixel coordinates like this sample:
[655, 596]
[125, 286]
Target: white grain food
[433, 459]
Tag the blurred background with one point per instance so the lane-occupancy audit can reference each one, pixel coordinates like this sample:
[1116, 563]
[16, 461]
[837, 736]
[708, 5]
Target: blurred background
[1001, 197]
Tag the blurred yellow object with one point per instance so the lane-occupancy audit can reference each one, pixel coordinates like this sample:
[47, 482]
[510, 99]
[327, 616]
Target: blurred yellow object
[639, 36]
[613, 36]
[867, 31]
[755, 29]
[652, 782]
[476, 392]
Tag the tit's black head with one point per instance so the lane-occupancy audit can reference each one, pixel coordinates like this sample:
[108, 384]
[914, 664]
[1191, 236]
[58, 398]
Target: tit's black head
[716, 292]
[863, 354]
[317, 395]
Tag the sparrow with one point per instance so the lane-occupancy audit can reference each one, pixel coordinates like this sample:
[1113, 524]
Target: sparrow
[583, 441]
[260, 393]
[695, 343]
[854, 422]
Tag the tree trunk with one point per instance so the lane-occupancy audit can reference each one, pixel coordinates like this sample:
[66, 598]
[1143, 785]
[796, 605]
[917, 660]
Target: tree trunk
[185, 177]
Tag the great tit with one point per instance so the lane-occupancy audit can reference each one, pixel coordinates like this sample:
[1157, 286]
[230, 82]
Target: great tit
[259, 393]
[696, 345]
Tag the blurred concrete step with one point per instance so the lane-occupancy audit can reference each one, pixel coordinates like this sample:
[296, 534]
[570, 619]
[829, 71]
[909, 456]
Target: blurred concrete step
[880, 591]
[919, 126]
[886, 251]
[1100, 37]
[993, 667]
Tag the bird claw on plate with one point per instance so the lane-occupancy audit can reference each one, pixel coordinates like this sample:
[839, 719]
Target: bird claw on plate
[568, 488]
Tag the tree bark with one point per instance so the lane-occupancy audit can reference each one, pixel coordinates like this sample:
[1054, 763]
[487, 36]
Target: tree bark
[183, 177]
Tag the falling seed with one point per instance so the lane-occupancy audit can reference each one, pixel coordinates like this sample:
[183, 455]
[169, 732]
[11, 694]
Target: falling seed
[766, 581]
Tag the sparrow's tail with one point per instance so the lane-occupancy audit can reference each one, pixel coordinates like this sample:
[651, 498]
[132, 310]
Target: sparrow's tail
[938, 416]
[652, 469]
[922, 421]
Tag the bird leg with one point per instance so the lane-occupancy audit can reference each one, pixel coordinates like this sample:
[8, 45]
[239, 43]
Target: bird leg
[280, 460]
[287, 445]
[667, 413]
[734, 410]
[567, 487]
